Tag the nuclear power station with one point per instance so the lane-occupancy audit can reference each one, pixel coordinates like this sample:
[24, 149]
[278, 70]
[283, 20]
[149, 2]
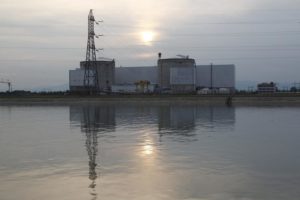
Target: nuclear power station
[177, 75]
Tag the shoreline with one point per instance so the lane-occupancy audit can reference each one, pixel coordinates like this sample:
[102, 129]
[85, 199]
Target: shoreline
[237, 100]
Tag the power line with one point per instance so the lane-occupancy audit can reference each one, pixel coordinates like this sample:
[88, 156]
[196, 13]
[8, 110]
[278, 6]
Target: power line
[154, 56]
[190, 48]
[274, 22]
[234, 34]
[121, 41]
[214, 34]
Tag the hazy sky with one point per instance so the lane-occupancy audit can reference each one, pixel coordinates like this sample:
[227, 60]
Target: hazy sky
[40, 40]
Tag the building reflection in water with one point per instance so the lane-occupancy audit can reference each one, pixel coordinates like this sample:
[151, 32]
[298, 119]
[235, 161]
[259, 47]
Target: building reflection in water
[177, 117]
[99, 117]
[173, 119]
[93, 119]
[216, 117]
[183, 122]
[188, 120]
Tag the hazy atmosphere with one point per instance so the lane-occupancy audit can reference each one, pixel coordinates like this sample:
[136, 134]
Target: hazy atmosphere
[41, 40]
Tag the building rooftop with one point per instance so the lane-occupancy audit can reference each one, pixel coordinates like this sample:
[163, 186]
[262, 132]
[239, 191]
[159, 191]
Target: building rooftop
[176, 59]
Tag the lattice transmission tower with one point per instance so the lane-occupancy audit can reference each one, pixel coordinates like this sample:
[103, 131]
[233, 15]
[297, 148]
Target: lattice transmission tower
[9, 84]
[91, 73]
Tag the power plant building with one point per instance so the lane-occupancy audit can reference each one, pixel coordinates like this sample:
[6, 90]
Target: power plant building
[175, 75]
[106, 75]
[215, 76]
[171, 75]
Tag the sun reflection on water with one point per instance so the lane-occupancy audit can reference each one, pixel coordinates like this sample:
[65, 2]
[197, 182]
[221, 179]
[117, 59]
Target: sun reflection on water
[148, 149]
[148, 152]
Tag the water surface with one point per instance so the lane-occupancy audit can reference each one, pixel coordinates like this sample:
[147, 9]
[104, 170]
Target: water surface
[139, 151]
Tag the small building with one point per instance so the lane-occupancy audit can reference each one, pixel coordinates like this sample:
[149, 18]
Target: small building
[266, 87]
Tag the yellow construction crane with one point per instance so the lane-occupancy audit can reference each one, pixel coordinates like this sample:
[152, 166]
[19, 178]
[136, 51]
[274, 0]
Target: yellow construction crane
[8, 84]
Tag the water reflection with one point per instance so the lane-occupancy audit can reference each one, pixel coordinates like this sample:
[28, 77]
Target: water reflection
[177, 117]
[147, 151]
[184, 118]
[171, 119]
[186, 121]
[156, 124]
[93, 120]
[148, 148]
[214, 119]
[94, 117]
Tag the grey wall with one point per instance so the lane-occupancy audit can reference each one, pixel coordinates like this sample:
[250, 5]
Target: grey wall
[106, 73]
[182, 75]
[129, 75]
[223, 76]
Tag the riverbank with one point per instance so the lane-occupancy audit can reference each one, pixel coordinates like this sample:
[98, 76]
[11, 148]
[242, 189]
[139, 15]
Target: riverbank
[253, 99]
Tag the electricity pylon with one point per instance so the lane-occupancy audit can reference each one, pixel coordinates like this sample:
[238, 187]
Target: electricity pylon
[90, 70]
[8, 84]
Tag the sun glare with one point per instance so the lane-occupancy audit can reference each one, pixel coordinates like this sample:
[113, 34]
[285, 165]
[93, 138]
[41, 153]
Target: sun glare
[147, 37]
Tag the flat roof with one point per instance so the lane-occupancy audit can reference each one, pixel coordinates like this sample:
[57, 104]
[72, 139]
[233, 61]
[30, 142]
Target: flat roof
[176, 59]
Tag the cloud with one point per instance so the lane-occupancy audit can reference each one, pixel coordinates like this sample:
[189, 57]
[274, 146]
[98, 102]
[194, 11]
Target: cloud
[36, 29]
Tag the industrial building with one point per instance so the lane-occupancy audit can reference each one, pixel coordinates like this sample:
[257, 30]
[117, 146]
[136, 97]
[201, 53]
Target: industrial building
[215, 77]
[172, 75]
[177, 74]
[106, 75]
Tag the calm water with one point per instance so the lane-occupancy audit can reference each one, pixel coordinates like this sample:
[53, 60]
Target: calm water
[145, 152]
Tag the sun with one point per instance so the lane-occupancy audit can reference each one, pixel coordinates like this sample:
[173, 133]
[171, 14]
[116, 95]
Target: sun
[147, 37]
